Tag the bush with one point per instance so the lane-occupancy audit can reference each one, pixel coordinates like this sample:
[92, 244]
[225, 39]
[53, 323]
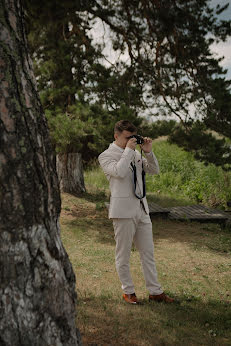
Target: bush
[180, 176]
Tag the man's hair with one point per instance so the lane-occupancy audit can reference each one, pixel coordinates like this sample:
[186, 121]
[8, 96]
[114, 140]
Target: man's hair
[124, 125]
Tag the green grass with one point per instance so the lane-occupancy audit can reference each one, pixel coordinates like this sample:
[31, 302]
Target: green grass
[193, 260]
[194, 265]
[181, 178]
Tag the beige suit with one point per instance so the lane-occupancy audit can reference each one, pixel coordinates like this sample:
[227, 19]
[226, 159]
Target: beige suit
[116, 165]
[130, 216]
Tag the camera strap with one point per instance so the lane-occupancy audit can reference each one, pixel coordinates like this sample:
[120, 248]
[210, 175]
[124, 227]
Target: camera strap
[135, 178]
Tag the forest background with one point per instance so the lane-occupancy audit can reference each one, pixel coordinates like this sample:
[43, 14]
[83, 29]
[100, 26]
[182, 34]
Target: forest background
[154, 65]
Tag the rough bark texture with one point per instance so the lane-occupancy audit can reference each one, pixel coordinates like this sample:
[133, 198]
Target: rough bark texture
[70, 173]
[37, 282]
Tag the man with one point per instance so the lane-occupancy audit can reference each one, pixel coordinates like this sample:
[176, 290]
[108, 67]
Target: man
[123, 166]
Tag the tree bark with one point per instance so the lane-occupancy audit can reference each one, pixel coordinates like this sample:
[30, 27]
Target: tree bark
[70, 173]
[37, 282]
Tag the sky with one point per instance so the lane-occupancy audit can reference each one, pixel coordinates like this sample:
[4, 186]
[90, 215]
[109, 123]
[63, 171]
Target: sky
[223, 48]
[220, 50]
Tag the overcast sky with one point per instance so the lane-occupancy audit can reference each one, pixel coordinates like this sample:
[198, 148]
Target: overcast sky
[224, 48]
[221, 49]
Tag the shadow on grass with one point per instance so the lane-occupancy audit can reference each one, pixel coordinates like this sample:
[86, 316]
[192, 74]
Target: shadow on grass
[196, 234]
[199, 236]
[98, 228]
[108, 320]
[93, 196]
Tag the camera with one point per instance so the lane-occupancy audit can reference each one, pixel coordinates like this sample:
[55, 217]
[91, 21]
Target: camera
[139, 139]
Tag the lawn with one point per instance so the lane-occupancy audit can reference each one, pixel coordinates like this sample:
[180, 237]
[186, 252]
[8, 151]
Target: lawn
[194, 266]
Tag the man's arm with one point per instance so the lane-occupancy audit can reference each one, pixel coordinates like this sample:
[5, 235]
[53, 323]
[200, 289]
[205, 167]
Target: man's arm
[151, 164]
[115, 168]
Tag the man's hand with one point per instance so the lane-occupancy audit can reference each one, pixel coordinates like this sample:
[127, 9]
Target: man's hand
[147, 145]
[132, 143]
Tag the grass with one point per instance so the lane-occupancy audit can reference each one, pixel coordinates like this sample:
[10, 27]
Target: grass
[181, 178]
[193, 262]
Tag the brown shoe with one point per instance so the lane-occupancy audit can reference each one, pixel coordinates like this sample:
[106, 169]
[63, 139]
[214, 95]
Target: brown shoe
[160, 298]
[130, 298]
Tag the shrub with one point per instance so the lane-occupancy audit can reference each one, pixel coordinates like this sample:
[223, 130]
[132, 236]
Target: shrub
[180, 175]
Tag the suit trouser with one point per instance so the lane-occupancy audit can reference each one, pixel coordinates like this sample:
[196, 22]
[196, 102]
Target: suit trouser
[139, 230]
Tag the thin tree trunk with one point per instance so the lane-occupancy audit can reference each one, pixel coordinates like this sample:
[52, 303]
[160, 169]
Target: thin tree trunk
[70, 173]
[37, 282]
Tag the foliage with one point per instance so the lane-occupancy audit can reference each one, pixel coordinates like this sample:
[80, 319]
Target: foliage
[180, 176]
[169, 69]
[205, 146]
[157, 128]
[67, 63]
[85, 128]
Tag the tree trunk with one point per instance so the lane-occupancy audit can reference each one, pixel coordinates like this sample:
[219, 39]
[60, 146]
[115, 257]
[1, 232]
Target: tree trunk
[37, 282]
[70, 173]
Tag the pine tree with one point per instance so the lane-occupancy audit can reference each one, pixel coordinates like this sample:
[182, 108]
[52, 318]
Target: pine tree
[171, 69]
[37, 286]
[168, 43]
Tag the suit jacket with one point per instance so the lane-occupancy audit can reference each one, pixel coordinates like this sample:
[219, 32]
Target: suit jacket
[118, 170]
